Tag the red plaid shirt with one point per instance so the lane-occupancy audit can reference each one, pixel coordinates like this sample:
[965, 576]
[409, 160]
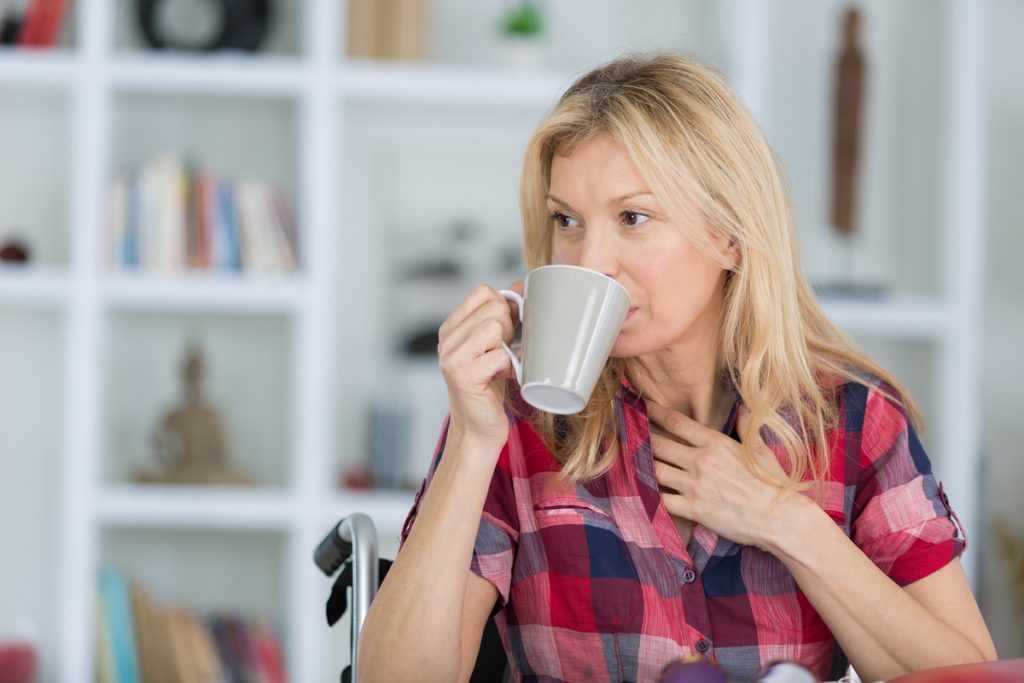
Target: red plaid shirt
[596, 584]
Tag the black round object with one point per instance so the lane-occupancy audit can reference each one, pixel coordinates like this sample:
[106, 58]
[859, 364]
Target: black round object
[242, 25]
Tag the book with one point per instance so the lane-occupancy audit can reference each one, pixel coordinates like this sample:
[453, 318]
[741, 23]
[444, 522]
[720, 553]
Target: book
[267, 650]
[169, 216]
[286, 220]
[118, 612]
[228, 239]
[118, 216]
[105, 672]
[230, 657]
[142, 610]
[179, 639]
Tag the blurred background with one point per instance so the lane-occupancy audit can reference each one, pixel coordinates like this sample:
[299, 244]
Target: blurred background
[230, 230]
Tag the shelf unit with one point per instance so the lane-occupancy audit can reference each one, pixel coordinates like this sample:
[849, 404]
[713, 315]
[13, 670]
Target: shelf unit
[97, 509]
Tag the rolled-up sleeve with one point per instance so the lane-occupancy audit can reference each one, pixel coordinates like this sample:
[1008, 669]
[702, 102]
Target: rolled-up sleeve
[902, 518]
[494, 549]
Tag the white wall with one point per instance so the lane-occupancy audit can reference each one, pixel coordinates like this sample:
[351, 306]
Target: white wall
[1002, 367]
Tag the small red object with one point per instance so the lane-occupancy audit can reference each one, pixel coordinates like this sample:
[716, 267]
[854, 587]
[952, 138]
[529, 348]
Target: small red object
[13, 252]
[17, 663]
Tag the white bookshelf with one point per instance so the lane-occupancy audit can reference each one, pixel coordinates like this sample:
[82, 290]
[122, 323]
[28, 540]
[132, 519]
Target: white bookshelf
[191, 507]
[319, 331]
[33, 287]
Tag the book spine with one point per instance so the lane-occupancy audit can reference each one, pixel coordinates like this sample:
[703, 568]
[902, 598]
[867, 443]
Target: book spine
[286, 220]
[105, 671]
[119, 613]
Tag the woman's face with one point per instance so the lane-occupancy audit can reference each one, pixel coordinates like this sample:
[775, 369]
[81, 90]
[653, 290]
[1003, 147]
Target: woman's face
[605, 218]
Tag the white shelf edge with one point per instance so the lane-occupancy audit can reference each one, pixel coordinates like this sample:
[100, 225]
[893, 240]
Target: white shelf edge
[387, 509]
[204, 293]
[37, 68]
[193, 508]
[34, 286]
[900, 317]
[222, 75]
[442, 84]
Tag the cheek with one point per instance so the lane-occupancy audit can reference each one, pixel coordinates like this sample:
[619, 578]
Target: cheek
[564, 252]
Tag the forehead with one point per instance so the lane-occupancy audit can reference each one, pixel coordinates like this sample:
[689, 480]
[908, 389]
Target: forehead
[599, 163]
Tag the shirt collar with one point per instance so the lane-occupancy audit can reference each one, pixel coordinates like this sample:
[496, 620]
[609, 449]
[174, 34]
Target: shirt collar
[628, 394]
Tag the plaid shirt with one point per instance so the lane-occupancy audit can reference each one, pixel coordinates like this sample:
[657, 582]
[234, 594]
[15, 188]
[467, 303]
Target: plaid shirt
[596, 584]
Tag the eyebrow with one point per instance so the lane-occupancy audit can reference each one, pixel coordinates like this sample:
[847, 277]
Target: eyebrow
[617, 200]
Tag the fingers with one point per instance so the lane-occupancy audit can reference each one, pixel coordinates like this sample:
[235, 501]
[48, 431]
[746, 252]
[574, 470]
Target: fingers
[463, 364]
[481, 296]
[671, 478]
[672, 452]
[486, 305]
[678, 505]
[679, 425]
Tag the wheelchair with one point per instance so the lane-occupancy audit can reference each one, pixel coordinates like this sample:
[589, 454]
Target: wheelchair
[350, 551]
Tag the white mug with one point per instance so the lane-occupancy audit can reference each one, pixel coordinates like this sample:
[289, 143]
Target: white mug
[571, 317]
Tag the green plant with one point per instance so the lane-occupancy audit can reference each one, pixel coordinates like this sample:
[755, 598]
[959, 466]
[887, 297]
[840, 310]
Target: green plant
[523, 20]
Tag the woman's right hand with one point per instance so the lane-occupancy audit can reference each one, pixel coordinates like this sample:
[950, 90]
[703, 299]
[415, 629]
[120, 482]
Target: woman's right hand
[474, 364]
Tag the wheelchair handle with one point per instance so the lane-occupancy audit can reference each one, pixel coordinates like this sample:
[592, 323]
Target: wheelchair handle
[355, 537]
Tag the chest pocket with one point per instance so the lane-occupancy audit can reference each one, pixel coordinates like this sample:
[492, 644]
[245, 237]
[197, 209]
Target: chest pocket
[579, 558]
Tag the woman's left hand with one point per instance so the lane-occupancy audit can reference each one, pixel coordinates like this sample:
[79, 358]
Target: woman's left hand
[705, 478]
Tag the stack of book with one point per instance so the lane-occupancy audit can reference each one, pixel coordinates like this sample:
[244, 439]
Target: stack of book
[169, 216]
[140, 641]
[39, 26]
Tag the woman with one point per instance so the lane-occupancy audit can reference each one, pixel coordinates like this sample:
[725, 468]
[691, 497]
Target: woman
[744, 484]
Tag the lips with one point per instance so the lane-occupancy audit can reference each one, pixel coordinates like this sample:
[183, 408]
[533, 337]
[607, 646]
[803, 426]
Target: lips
[632, 310]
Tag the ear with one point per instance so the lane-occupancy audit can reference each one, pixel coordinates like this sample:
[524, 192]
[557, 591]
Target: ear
[728, 250]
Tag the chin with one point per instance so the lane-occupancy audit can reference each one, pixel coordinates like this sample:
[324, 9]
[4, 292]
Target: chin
[625, 348]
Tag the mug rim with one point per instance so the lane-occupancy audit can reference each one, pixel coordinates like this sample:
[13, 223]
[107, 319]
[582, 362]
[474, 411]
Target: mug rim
[590, 271]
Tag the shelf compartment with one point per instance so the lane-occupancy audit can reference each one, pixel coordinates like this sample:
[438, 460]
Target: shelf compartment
[903, 177]
[241, 142]
[240, 572]
[205, 293]
[247, 366]
[31, 441]
[194, 507]
[35, 183]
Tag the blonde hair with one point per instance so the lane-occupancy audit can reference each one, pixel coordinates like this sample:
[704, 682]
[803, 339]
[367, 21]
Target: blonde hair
[690, 136]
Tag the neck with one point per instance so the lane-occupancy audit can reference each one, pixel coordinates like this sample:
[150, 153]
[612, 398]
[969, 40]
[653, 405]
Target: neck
[692, 387]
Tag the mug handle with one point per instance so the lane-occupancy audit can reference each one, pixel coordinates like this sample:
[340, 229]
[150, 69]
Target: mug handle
[517, 366]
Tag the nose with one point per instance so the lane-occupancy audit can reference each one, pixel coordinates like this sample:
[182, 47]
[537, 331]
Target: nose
[598, 252]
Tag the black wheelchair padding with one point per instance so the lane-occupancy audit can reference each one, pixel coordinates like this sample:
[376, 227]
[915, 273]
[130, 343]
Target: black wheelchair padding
[490, 662]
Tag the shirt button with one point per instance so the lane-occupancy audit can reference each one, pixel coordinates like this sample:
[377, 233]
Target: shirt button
[689, 576]
[703, 645]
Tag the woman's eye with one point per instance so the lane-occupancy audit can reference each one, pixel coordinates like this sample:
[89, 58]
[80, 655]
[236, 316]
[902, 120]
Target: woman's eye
[634, 218]
[563, 221]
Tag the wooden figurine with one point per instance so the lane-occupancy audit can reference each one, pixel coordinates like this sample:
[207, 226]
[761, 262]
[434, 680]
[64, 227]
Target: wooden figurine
[848, 117]
[190, 440]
